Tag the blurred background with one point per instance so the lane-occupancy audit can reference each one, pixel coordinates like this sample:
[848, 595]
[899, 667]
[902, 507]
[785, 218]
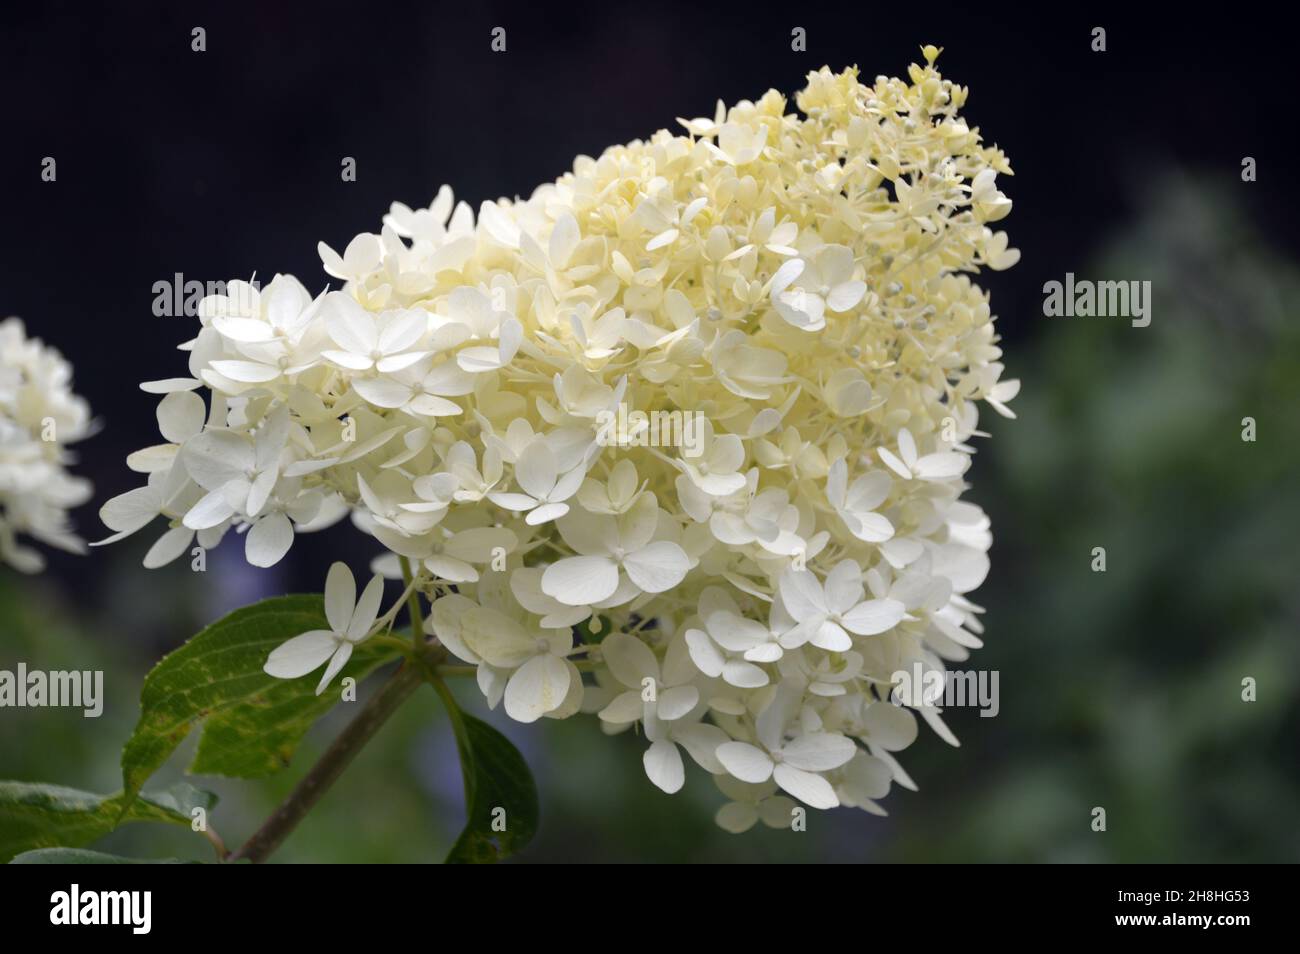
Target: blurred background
[1119, 689]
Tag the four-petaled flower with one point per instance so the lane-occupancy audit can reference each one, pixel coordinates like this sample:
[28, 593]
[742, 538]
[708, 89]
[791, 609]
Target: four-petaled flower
[350, 620]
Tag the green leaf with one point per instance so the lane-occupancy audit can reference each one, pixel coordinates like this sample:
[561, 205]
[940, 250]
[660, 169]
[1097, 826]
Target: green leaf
[35, 815]
[499, 791]
[84, 856]
[252, 722]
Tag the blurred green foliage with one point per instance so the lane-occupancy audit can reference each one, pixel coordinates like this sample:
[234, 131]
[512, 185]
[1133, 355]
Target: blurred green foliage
[1120, 689]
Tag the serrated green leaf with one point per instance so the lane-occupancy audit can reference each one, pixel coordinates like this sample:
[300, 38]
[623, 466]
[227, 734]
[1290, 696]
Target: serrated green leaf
[499, 791]
[258, 737]
[35, 815]
[84, 856]
[252, 722]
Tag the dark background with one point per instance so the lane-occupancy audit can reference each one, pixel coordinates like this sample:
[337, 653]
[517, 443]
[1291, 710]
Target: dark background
[225, 163]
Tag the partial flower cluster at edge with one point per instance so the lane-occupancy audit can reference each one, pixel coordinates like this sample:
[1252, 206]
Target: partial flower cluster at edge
[39, 417]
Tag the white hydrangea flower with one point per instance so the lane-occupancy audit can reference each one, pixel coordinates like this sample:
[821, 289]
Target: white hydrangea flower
[39, 418]
[350, 622]
[524, 663]
[827, 612]
[795, 765]
[803, 291]
[797, 281]
[752, 803]
[544, 488]
[618, 558]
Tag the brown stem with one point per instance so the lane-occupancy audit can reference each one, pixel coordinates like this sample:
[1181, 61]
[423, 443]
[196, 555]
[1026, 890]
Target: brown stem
[331, 765]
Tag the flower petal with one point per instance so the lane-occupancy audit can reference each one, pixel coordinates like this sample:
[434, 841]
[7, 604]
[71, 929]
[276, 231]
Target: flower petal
[363, 617]
[536, 688]
[677, 702]
[300, 655]
[629, 660]
[818, 751]
[872, 617]
[663, 766]
[168, 547]
[337, 662]
[269, 540]
[657, 567]
[340, 596]
[704, 653]
[744, 761]
[812, 790]
[581, 581]
[181, 415]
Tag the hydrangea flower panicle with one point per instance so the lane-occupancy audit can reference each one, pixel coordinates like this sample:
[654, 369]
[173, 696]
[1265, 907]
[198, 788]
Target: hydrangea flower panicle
[799, 278]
